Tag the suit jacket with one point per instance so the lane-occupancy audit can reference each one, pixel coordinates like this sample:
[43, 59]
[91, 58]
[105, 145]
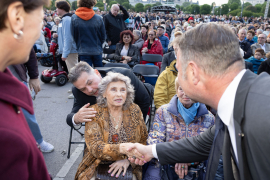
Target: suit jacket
[251, 120]
[142, 98]
[133, 52]
[257, 45]
[245, 46]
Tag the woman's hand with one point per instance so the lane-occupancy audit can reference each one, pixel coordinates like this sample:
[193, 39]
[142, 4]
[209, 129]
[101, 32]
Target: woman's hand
[181, 169]
[118, 167]
[124, 62]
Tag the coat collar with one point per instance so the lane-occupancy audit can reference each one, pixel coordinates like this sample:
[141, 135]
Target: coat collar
[14, 92]
[172, 108]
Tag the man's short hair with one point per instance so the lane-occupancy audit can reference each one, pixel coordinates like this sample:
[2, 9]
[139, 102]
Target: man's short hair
[161, 27]
[260, 50]
[252, 32]
[213, 47]
[86, 3]
[62, 4]
[146, 27]
[77, 70]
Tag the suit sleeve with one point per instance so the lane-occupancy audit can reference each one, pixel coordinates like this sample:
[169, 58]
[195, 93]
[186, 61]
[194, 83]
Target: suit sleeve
[116, 55]
[192, 149]
[248, 51]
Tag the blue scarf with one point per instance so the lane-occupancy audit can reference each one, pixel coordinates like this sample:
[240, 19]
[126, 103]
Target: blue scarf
[188, 114]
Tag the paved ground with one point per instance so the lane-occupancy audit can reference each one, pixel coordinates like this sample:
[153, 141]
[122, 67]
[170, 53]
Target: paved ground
[51, 108]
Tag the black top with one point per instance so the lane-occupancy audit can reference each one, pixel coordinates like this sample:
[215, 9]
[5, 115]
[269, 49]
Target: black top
[149, 45]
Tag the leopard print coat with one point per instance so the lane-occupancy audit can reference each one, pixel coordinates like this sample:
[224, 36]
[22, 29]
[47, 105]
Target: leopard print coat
[97, 135]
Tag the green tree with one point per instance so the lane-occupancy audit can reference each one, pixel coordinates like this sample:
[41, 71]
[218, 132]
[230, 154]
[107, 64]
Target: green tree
[195, 9]
[139, 7]
[258, 14]
[230, 2]
[205, 9]
[235, 12]
[74, 5]
[234, 6]
[246, 4]
[225, 9]
[99, 4]
[112, 2]
[178, 6]
[147, 6]
[258, 7]
[217, 11]
[251, 8]
[126, 5]
[245, 13]
[132, 8]
[188, 9]
[186, 4]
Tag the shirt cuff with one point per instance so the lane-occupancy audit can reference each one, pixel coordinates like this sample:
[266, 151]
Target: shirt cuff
[154, 151]
[76, 126]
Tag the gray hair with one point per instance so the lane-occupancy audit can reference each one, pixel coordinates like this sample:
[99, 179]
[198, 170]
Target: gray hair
[77, 70]
[138, 33]
[114, 5]
[259, 30]
[115, 77]
[213, 47]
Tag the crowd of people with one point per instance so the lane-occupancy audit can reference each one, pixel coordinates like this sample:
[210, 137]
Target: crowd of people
[211, 95]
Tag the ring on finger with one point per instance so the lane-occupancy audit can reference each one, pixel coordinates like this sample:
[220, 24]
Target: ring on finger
[134, 157]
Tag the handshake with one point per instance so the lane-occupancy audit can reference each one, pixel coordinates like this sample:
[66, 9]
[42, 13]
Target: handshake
[137, 153]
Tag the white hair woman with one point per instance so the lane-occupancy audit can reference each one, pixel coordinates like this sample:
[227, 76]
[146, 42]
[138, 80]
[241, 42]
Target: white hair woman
[118, 120]
[138, 41]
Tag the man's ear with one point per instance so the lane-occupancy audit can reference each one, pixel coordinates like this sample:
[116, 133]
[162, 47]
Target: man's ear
[193, 72]
[15, 17]
[97, 73]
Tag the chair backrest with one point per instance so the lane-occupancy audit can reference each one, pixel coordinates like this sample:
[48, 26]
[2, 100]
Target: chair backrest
[143, 69]
[152, 57]
[108, 51]
[117, 65]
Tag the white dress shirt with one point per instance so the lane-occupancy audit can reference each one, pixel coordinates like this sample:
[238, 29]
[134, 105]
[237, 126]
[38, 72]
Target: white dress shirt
[263, 47]
[225, 111]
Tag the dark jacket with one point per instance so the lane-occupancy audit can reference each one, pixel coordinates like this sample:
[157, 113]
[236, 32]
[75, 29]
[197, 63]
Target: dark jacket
[142, 98]
[245, 46]
[88, 35]
[264, 67]
[132, 52]
[168, 58]
[114, 25]
[250, 103]
[249, 65]
[20, 157]
[31, 66]
[139, 44]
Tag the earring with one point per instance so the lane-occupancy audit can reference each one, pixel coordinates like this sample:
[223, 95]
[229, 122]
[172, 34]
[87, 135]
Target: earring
[18, 36]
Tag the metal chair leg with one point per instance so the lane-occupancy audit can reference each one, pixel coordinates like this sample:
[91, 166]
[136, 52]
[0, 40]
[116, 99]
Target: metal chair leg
[69, 145]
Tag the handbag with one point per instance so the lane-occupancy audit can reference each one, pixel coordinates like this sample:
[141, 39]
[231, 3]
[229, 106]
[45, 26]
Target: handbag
[102, 172]
[194, 172]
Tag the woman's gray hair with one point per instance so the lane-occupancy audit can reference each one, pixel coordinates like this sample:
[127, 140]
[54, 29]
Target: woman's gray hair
[138, 33]
[115, 77]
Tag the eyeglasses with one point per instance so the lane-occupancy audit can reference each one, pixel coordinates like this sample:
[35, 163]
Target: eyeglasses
[150, 34]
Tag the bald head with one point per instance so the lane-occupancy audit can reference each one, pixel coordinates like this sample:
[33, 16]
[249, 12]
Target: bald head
[114, 9]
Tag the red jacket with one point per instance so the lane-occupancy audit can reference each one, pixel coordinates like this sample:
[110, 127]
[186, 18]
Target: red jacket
[49, 35]
[20, 157]
[156, 47]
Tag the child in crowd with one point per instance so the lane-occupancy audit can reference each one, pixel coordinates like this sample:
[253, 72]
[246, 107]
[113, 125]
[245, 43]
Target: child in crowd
[257, 59]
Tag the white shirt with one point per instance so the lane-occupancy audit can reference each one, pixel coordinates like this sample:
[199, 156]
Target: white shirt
[263, 47]
[225, 111]
[124, 51]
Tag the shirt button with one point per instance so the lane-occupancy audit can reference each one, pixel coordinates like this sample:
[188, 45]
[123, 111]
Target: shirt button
[241, 134]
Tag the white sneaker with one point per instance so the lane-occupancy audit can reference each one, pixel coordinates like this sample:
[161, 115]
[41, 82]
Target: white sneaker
[46, 147]
[71, 96]
[70, 91]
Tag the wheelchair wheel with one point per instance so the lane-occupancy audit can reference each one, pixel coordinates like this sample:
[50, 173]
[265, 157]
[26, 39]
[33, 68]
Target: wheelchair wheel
[45, 79]
[61, 80]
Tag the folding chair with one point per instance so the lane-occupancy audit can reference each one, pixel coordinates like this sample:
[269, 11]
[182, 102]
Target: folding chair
[152, 58]
[74, 142]
[150, 89]
[117, 65]
[149, 72]
[107, 55]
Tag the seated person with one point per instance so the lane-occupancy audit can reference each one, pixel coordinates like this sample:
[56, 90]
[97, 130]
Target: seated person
[261, 44]
[257, 59]
[125, 52]
[138, 41]
[249, 38]
[165, 88]
[178, 119]
[85, 80]
[152, 45]
[265, 65]
[118, 120]
[163, 39]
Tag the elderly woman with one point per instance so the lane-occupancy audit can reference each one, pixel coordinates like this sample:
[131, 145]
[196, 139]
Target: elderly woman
[118, 120]
[138, 41]
[55, 27]
[125, 52]
[179, 119]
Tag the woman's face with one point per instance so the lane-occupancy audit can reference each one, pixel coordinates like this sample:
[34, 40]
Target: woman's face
[116, 94]
[57, 22]
[135, 36]
[126, 39]
[151, 35]
[183, 98]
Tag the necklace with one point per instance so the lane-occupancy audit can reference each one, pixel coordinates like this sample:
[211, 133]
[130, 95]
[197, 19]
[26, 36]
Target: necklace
[117, 123]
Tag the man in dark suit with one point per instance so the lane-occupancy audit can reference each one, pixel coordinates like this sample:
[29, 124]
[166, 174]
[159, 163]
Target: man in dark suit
[86, 79]
[213, 73]
[244, 45]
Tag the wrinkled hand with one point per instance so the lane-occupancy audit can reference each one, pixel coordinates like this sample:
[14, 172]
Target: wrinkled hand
[181, 169]
[118, 167]
[124, 62]
[34, 84]
[144, 50]
[142, 153]
[84, 114]
[63, 59]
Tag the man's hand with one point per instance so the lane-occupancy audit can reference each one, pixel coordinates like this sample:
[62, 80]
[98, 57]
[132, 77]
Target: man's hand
[34, 84]
[181, 169]
[109, 43]
[63, 59]
[84, 114]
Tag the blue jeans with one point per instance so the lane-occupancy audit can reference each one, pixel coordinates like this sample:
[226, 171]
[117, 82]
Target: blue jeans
[33, 125]
[113, 47]
[92, 59]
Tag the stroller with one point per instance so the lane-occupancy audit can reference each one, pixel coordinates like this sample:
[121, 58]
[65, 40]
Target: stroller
[59, 69]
